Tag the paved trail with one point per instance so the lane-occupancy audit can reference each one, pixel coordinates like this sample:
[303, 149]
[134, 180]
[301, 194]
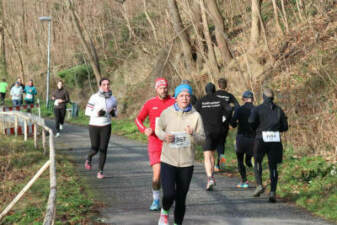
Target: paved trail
[126, 190]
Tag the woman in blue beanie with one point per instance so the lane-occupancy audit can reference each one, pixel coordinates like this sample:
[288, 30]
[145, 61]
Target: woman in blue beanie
[180, 127]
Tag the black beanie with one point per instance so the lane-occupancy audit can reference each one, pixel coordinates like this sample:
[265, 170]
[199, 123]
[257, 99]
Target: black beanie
[210, 88]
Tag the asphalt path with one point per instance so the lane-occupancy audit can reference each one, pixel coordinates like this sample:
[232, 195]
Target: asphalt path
[126, 189]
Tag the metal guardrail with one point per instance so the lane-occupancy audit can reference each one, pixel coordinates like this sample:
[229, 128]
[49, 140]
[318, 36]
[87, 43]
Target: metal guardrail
[49, 218]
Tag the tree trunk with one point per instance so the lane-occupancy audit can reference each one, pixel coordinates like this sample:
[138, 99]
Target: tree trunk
[179, 29]
[211, 55]
[276, 16]
[226, 55]
[256, 28]
[88, 48]
[150, 22]
[285, 16]
[3, 60]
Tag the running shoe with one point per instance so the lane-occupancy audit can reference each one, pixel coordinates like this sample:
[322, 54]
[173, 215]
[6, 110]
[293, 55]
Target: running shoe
[222, 161]
[272, 197]
[57, 134]
[87, 165]
[100, 175]
[61, 127]
[210, 184]
[216, 169]
[242, 185]
[259, 190]
[155, 206]
[163, 219]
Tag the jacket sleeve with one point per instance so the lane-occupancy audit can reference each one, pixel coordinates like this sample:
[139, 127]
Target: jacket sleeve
[233, 100]
[144, 112]
[284, 122]
[161, 127]
[234, 120]
[66, 97]
[34, 91]
[253, 119]
[90, 109]
[198, 136]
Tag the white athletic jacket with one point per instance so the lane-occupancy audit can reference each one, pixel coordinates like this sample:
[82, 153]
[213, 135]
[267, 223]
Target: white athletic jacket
[95, 104]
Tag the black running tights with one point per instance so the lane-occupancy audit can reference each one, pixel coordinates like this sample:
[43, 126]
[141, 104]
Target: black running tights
[175, 183]
[273, 174]
[99, 137]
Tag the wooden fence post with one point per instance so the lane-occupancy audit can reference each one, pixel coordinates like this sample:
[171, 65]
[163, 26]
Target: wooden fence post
[16, 125]
[35, 134]
[25, 125]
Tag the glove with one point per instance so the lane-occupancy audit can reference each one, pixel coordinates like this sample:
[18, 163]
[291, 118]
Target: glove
[101, 112]
[113, 113]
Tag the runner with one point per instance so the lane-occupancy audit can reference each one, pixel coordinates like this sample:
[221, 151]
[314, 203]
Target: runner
[268, 120]
[3, 90]
[245, 136]
[152, 109]
[30, 91]
[215, 114]
[16, 93]
[61, 98]
[101, 107]
[180, 127]
[231, 100]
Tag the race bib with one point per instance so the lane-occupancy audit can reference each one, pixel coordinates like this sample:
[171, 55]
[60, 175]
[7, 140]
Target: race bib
[224, 119]
[181, 140]
[56, 103]
[271, 136]
[29, 96]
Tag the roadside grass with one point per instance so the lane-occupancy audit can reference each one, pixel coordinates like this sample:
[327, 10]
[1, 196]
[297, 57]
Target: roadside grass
[19, 161]
[310, 181]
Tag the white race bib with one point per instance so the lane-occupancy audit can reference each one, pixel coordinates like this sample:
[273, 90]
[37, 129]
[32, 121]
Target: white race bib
[29, 96]
[224, 119]
[56, 102]
[181, 140]
[271, 136]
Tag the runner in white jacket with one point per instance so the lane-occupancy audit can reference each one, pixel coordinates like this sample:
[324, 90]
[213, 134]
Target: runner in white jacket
[101, 107]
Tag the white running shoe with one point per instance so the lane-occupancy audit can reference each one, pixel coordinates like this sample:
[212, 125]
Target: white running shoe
[57, 134]
[163, 220]
[61, 127]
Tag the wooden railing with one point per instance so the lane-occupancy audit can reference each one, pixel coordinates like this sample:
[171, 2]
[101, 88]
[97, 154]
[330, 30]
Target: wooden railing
[49, 218]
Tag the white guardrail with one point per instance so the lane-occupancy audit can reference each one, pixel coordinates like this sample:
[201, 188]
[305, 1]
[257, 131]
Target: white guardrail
[18, 120]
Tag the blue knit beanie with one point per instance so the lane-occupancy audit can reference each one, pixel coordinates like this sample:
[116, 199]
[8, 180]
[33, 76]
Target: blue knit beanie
[182, 87]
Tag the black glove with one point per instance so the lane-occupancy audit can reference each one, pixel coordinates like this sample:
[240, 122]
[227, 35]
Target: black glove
[101, 112]
[113, 113]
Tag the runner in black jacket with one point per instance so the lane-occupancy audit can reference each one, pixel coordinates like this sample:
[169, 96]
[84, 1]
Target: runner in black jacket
[245, 136]
[229, 99]
[215, 114]
[268, 120]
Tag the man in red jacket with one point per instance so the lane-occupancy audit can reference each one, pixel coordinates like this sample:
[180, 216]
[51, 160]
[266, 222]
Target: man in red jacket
[152, 109]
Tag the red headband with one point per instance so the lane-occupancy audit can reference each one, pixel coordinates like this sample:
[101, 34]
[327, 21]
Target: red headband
[161, 82]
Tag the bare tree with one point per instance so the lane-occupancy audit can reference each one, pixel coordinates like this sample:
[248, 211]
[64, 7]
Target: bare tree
[211, 54]
[181, 32]
[285, 17]
[3, 60]
[256, 26]
[89, 48]
[215, 14]
[276, 16]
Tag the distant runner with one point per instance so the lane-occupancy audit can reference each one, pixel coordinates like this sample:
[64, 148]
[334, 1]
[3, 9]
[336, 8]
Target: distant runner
[61, 98]
[215, 115]
[3, 90]
[231, 100]
[101, 107]
[152, 109]
[181, 128]
[30, 91]
[16, 93]
[245, 136]
[268, 120]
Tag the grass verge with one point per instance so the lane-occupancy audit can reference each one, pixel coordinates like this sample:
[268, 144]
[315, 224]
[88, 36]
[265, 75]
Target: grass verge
[19, 161]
